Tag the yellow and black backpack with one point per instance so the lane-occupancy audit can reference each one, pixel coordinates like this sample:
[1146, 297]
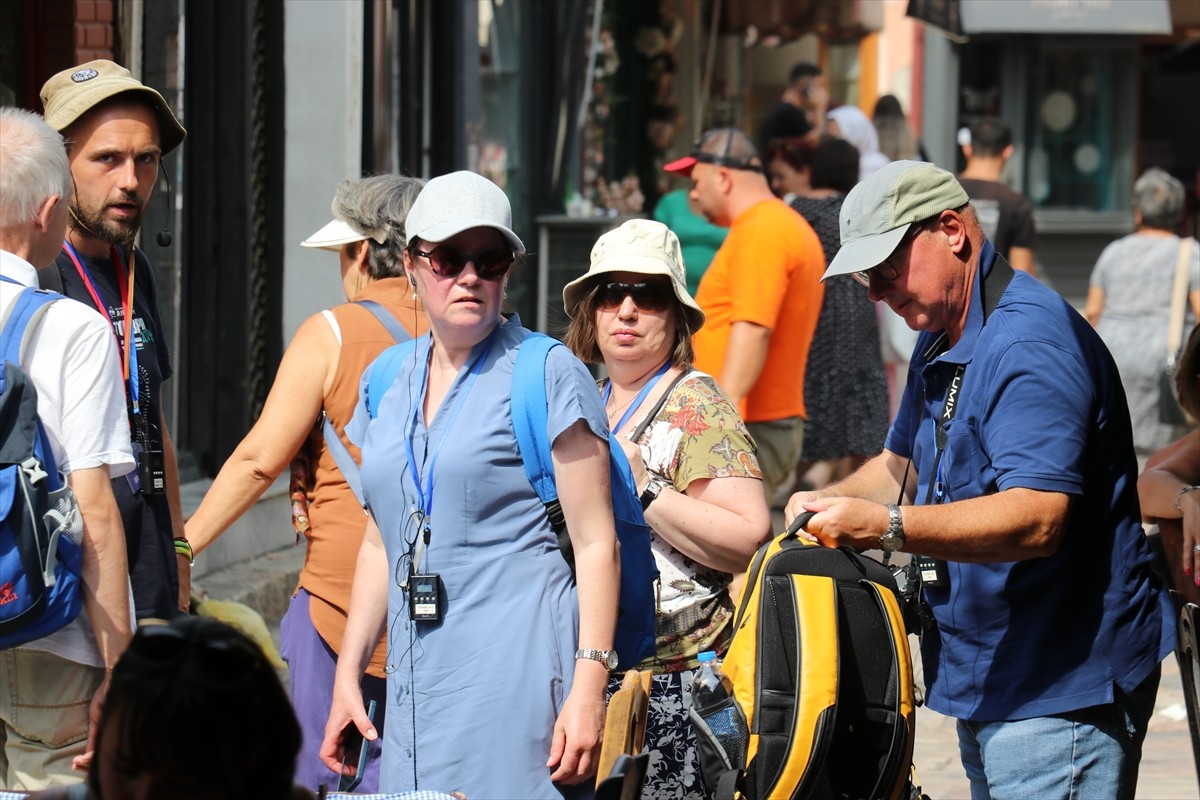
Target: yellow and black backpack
[823, 703]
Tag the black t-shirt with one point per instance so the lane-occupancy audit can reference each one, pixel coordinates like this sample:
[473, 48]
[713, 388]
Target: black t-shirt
[1006, 216]
[149, 538]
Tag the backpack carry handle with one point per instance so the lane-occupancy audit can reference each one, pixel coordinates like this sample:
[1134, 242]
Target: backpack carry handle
[798, 523]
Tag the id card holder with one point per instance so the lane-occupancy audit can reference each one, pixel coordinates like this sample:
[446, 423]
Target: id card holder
[134, 476]
[425, 597]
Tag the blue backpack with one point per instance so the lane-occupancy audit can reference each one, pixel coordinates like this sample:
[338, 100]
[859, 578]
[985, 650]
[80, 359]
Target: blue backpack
[40, 524]
[634, 639]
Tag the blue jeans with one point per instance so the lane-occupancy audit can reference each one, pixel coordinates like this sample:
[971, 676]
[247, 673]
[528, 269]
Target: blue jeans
[1090, 753]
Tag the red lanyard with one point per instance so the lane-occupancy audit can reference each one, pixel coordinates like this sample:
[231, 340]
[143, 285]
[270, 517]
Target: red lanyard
[126, 277]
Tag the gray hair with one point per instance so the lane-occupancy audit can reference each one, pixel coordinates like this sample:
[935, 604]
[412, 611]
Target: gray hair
[33, 166]
[378, 207]
[1159, 198]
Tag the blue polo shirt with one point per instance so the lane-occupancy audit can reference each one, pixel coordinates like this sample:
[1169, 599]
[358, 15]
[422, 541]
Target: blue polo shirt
[1041, 407]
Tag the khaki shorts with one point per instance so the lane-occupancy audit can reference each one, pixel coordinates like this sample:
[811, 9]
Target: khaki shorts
[779, 444]
[44, 702]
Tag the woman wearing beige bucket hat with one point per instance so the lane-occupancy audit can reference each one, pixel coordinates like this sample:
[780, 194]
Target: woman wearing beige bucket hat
[691, 456]
[318, 381]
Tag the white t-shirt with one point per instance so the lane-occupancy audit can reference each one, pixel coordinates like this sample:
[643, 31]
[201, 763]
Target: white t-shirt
[72, 361]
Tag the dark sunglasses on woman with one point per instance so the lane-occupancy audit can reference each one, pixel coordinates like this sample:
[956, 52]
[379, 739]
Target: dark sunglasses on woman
[656, 296]
[224, 656]
[448, 261]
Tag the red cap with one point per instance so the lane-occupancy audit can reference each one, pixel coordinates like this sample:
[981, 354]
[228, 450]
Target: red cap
[681, 165]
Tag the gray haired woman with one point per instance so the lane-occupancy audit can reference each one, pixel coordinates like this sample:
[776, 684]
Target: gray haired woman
[319, 374]
[1129, 299]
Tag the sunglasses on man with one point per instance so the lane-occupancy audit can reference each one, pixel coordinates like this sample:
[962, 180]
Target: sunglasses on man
[447, 261]
[889, 269]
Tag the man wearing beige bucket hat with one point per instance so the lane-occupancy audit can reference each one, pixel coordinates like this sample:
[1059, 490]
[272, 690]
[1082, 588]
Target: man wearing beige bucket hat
[762, 296]
[116, 131]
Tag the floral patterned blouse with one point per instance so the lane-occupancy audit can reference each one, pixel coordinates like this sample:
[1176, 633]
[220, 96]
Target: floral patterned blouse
[696, 434]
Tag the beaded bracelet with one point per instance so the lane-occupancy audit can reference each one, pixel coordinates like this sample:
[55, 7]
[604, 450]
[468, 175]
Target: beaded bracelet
[1179, 497]
[184, 548]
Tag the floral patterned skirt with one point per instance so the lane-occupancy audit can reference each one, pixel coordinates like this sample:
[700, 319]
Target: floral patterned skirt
[674, 769]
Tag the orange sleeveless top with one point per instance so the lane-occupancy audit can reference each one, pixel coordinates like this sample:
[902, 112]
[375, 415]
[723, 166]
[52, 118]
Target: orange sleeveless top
[336, 521]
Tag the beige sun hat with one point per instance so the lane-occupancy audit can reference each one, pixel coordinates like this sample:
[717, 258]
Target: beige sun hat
[643, 246]
[70, 94]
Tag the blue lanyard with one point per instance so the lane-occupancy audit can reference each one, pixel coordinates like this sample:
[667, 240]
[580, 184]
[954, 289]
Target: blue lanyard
[129, 348]
[637, 401]
[425, 490]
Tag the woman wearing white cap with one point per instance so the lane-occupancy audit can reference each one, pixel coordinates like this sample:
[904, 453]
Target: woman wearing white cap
[318, 377]
[496, 670]
[692, 459]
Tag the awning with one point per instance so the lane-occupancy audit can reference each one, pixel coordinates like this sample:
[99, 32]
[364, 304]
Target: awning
[786, 20]
[961, 18]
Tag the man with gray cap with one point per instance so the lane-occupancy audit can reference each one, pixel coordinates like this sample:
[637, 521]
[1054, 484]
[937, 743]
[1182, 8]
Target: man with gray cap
[1048, 623]
[761, 296]
[117, 130]
[55, 684]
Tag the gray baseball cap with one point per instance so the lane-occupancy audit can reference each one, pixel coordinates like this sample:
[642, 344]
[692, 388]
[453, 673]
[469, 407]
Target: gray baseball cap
[878, 211]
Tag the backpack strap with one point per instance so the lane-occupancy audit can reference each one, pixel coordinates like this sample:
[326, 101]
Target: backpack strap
[21, 320]
[337, 448]
[529, 416]
[386, 320]
[383, 372]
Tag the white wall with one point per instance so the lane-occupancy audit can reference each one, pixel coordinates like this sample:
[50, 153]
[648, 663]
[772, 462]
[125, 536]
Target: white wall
[323, 130]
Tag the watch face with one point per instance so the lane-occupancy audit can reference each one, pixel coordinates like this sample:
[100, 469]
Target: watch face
[891, 542]
[610, 660]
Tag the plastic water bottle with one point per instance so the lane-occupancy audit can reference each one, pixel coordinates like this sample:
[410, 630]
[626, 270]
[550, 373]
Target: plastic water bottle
[710, 686]
[723, 722]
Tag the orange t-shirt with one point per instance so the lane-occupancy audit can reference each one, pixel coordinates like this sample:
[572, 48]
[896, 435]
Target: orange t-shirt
[768, 272]
[336, 521]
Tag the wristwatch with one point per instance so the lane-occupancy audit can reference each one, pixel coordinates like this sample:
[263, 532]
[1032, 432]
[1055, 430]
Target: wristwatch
[651, 492]
[894, 539]
[606, 657]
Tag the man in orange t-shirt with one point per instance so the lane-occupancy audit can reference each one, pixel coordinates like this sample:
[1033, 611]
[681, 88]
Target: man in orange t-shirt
[761, 296]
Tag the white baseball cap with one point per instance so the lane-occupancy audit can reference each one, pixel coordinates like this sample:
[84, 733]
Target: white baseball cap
[451, 204]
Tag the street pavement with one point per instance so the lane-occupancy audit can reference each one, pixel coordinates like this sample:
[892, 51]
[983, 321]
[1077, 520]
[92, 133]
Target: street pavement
[1168, 770]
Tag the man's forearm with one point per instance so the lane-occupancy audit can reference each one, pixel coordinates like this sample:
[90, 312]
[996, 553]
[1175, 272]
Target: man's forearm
[171, 467]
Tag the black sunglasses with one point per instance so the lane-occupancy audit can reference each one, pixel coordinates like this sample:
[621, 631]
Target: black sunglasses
[646, 296]
[448, 261]
[886, 270]
[223, 656]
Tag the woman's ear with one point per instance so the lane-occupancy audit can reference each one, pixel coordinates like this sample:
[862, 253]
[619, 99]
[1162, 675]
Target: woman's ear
[360, 256]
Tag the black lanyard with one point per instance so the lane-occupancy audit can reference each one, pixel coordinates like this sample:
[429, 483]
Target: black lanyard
[993, 289]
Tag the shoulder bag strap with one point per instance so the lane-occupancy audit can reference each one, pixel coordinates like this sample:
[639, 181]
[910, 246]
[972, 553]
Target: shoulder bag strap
[645, 423]
[1178, 299]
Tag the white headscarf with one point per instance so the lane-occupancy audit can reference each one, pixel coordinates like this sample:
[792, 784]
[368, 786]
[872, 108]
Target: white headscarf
[859, 131]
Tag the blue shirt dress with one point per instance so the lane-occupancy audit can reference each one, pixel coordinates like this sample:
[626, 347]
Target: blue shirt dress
[472, 699]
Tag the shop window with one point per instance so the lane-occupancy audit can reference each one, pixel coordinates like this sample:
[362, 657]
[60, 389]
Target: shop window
[1079, 126]
[12, 54]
